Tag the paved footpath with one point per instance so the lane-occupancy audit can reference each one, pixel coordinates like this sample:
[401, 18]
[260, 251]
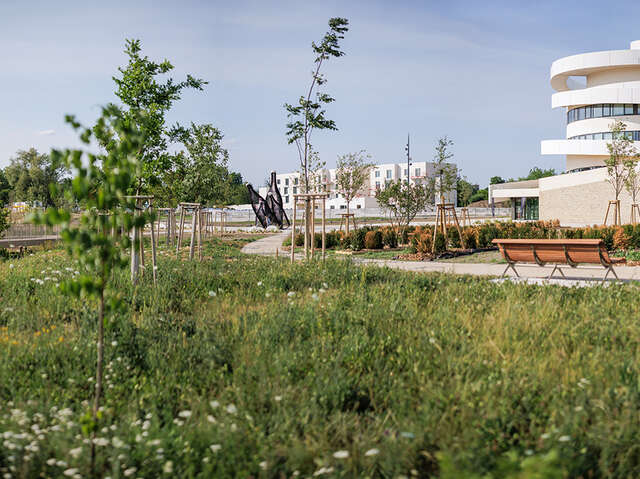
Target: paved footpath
[267, 246]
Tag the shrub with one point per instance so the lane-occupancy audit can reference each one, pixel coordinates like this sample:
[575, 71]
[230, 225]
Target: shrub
[357, 239]
[373, 239]
[621, 239]
[440, 244]
[469, 238]
[423, 243]
[300, 239]
[454, 237]
[345, 240]
[390, 238]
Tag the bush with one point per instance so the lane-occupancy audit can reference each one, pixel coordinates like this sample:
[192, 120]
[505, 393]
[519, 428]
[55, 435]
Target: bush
[423, 243]
[469, 238]
[454, 237]
[357, 239]
[373, 239]
[440, 244]
[390, 238]
[621, 239]
[345, 239]
[300, 239]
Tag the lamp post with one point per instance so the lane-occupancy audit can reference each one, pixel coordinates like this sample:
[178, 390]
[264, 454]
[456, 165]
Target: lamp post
[408, 170]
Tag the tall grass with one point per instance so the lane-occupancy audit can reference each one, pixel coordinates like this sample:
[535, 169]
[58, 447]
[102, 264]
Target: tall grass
[249, 366]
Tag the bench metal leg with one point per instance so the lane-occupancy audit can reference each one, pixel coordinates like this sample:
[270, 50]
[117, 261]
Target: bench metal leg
[612, 271]
[510, 265]
[556, 267]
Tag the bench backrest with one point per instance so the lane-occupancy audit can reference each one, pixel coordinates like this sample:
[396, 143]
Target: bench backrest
[558, 251]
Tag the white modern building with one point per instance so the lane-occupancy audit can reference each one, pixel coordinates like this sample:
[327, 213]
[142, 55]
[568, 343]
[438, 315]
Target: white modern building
[379, 176]
[596, 89]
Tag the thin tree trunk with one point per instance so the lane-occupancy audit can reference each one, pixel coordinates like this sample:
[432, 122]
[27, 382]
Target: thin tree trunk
[99, 368]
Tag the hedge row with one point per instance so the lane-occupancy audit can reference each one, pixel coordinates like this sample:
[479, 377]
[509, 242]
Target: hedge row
[476, 236]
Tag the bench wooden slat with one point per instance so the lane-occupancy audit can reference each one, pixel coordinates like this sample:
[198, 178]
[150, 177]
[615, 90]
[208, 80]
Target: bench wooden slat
[571, 252]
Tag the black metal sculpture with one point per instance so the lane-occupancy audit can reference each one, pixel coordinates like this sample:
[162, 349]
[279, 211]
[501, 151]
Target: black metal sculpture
[269, 211]
[274, 200]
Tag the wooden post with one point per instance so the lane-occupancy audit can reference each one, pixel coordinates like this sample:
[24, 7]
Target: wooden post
[306, 227]
[180, 231]
[293, 228]
[323, 228]
[635, 213]
[313, 226]
[193, 233]
[153, 244]
[199, 234]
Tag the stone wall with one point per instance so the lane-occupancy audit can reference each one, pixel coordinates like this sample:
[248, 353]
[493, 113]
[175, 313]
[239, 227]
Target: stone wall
[582, 205]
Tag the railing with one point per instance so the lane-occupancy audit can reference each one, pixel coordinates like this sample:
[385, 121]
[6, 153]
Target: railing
[27, 230]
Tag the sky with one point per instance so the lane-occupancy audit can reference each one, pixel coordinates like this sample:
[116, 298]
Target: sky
[477, 72]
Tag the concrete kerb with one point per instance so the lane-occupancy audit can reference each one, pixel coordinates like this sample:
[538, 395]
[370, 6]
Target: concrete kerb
[530, 275]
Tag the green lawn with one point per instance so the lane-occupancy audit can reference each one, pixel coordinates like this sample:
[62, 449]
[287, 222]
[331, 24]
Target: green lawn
[483, 257]
[252, 367]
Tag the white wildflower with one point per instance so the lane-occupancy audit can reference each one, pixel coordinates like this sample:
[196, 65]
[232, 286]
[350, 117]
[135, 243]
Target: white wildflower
[168, 467]
[341, 454]
[101, 441]
[185, 414]
[75, 453]
[291, 294]
[263, 465]
[215, 447]
[231, 409]
[130, 472]
[70, 472]
[277, 398]
[214, 404]
[212, 294]
[372, 452]
[564, 438]
[211, 419]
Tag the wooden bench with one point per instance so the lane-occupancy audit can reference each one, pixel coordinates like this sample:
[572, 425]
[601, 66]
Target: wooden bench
[571, 252]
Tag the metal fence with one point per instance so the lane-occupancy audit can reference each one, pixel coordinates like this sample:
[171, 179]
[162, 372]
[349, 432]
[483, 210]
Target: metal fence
[27, 230]
[236, 216]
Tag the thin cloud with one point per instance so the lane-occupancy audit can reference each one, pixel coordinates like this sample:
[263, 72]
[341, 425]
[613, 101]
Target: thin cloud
[46, 132]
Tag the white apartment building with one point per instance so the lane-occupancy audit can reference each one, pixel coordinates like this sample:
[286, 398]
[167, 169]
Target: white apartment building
[379, 176]
[609, 91]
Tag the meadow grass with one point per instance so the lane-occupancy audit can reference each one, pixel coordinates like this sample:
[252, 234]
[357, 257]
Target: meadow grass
[251, 367]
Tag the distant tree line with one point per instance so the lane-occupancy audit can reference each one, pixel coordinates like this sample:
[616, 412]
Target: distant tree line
[177, 163]
[469, 193]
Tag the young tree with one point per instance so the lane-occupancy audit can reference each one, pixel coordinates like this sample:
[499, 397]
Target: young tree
[621, 153]
[351, 175]
[404, 201]
[5, 189]
[101, 183]
[465, 191]
[206, 178]
[446, 173]
[147, 99]
[29, 176]
[308, 114]
[4, 220]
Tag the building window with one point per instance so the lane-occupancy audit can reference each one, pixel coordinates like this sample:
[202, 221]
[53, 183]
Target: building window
[332, 207]
[286, 190]
[295, 181]
[295, 190]
[406, 172]
[417, 172]
[278, 181]
[389, 174]
[377, 173]
[377, 185]
[602, 110]
[358, 206]
[286, 181]
[607, 135]
[286, 199]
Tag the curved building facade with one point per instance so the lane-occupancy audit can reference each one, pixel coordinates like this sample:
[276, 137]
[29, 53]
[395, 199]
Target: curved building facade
[609, 90]
[595, 89]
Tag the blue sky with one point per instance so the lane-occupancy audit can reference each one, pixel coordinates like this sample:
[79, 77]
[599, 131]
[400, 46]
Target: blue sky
[475, 71]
